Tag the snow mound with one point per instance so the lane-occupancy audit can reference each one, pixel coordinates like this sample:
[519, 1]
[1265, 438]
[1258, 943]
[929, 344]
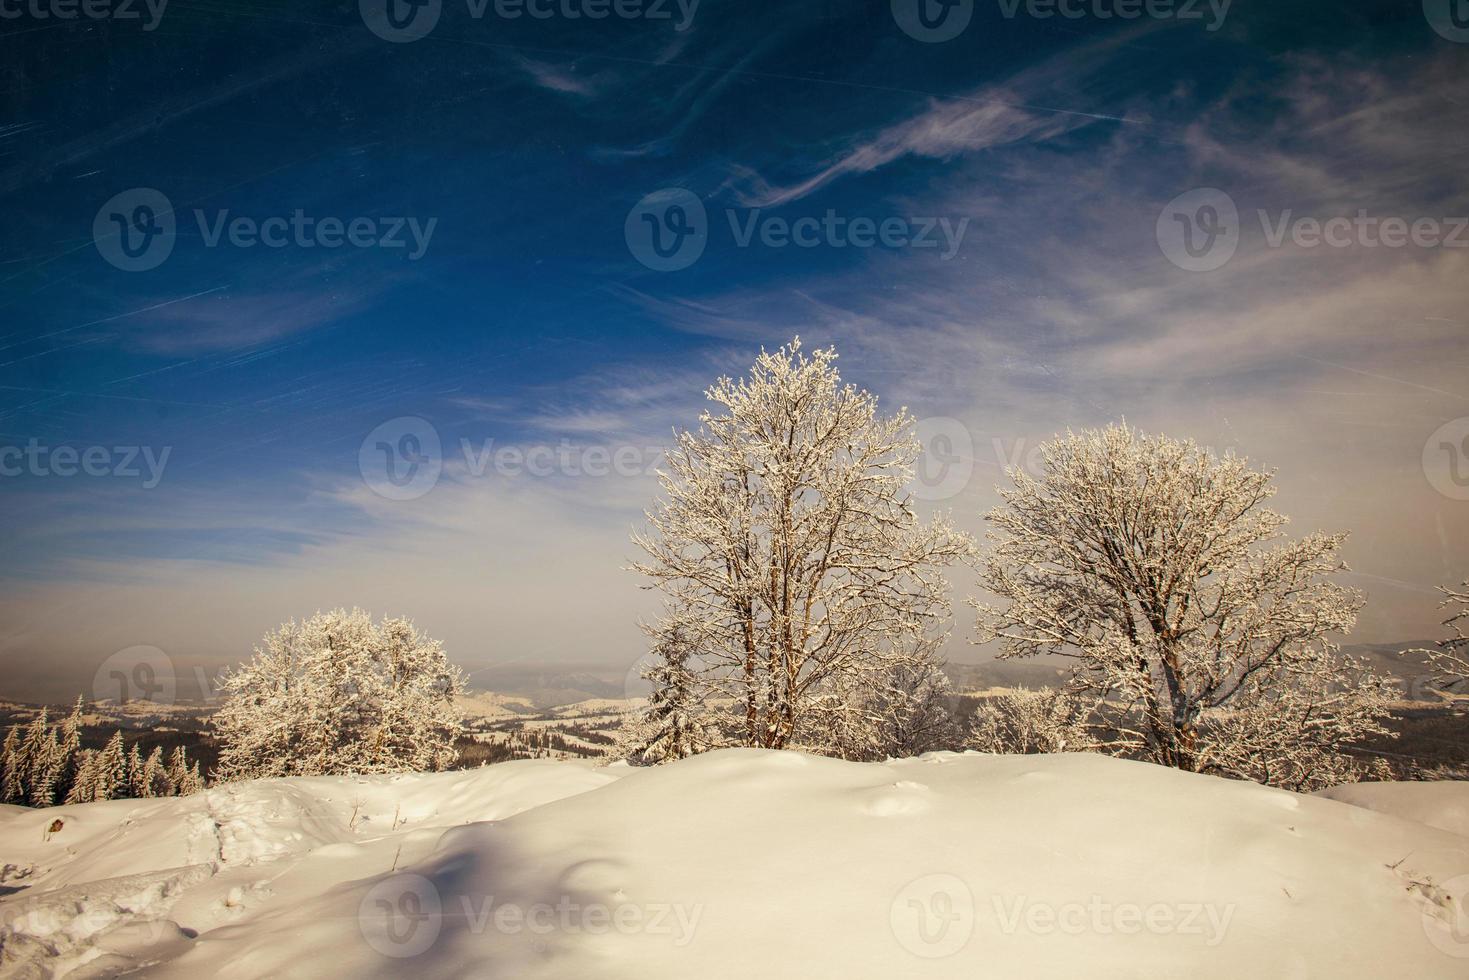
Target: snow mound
[773, 864]
[1444, 805]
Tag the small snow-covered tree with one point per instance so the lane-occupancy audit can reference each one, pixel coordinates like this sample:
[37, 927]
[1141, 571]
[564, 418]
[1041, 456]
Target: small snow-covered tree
[787, 542]
[336, 694]
[1025, 722]
[675, 723]
[1156, 566]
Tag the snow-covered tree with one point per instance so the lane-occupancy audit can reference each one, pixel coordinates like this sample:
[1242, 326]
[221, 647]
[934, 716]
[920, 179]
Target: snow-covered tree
[676, 723]
[182, 776]
[787, 543]
[109, 770]
[1030, 722]
[12, 786]
[1450, 662]
[136, 788]
[84, 782]
[337, 694]
[1155, 565]
[42, 763]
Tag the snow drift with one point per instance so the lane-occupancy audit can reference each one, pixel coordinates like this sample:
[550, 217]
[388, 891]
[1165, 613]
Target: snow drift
[735, 864]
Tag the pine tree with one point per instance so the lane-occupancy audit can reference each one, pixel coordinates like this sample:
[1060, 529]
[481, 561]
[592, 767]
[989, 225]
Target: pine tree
[12, 789]
[136, 787]
[153, 780]
[84, 782]
[673, 725]
[110, 770]
[70, 746]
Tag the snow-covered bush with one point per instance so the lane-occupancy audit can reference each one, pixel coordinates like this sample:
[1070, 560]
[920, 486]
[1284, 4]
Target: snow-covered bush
[1200, 635]
[891, 709]
[338, 694]
[1029, 722]
[788, 550]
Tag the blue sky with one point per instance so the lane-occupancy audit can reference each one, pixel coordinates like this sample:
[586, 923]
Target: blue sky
[1047, 146]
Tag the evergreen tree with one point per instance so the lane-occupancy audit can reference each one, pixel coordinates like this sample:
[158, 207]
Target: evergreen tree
[673, 726]
[110, 770]
[84, 781]
[12, 789]
[154, 781]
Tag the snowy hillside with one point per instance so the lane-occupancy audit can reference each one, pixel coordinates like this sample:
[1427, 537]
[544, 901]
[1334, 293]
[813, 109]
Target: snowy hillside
[737, 864]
